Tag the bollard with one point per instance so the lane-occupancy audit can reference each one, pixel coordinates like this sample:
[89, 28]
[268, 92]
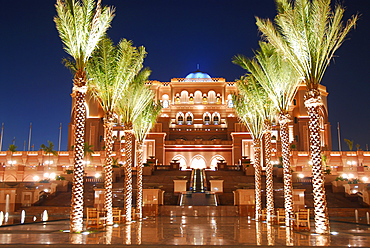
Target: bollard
[356, 215]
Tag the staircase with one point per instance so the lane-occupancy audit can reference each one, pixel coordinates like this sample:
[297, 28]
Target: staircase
[198, 194]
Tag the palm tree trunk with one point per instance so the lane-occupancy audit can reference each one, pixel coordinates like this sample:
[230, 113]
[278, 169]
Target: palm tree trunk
[77, 201]
[139, 179]
[288, 185]
[128, 174]
[257, 178]
[312, 103]
[108, 182]
[269, 177]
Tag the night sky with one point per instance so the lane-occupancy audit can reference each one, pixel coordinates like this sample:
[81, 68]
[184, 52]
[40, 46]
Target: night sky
[178, 35]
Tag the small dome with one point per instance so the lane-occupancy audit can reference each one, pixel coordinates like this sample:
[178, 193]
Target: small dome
[198, 74]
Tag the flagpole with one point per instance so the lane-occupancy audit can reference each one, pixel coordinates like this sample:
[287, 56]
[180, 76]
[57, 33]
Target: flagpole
[60, 136]
[1, 136]
[29, 137]
[339, 142]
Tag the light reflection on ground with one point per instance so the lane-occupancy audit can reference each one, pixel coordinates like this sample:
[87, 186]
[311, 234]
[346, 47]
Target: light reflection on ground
[187, 231]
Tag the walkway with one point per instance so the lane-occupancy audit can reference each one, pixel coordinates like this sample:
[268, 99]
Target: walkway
[184, 231]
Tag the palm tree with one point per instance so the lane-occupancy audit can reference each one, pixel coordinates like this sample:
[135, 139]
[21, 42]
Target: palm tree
[307, 33]
[133, 102]
[81, 26]
[280, 81]
[111, 69]
[49, 149]
[88, 150]
[12, 148]
[249, 105]
[142, 126]
[349, 144]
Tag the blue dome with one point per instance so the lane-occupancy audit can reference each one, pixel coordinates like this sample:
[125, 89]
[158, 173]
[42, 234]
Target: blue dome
[198, 74]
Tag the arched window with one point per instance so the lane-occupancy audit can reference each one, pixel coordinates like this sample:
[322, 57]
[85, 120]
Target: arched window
[184, 96]
[230, 103]
[165, 101]
[211, 97]
[216, 118]
[197, 97]
[189, 118]
[206, 118]
[180, 118]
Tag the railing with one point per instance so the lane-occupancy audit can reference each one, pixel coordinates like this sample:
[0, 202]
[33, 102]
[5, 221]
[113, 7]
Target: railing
[198, 142]
[198, 182]
[163, 167]
[94, 179]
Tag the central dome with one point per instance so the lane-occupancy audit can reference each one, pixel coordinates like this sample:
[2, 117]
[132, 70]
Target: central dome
[198, 74]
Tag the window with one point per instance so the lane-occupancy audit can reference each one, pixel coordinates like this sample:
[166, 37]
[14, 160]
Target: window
[216, 119]
[180, 118]
[206, 118]
[189, 120]
[165, 104]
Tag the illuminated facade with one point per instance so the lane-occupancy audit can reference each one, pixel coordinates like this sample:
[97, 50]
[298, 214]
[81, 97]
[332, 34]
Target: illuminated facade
[198, 125]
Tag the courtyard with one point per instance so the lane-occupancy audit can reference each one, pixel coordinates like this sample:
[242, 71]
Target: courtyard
[185, 231]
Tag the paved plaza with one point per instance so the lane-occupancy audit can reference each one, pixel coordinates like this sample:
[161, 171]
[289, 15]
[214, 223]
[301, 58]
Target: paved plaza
[184, 231]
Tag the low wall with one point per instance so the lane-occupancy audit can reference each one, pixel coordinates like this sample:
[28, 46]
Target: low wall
[198, 211]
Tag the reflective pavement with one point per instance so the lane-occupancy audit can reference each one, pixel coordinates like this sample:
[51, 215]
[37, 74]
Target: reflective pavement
[179, 231]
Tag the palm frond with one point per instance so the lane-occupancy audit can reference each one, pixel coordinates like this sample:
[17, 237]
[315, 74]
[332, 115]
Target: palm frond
[307, 33]
[81, 24]
[146, 120]
[252, 105]
[111, 69]
[249, 116]
[135, 98]
[277, 77]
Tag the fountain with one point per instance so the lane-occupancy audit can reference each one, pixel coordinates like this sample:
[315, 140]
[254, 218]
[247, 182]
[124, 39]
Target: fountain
[23, 216]
[1, 218]
[44, 215]
[6, 218]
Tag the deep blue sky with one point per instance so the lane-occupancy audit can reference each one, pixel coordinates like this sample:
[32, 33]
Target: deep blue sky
[178, 35]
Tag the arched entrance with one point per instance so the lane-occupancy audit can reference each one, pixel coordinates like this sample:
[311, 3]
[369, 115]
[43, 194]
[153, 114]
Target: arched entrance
[214, 161]
[181, 159]
[198, 162]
